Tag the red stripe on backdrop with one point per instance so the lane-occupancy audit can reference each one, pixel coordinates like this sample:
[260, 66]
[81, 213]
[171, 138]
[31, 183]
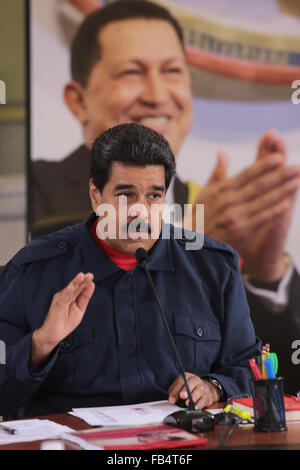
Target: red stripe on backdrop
[242, 69]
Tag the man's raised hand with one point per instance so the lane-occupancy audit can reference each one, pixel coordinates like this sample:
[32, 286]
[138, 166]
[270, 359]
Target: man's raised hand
[65, 314]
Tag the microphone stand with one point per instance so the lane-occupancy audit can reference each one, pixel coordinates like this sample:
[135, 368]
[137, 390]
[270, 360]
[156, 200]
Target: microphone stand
[191, 420]
[191, 406]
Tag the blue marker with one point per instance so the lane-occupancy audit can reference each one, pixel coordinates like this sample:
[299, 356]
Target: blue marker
[269, 368]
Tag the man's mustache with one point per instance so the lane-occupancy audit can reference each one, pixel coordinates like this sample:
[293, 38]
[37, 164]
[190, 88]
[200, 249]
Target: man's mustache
[136, 225]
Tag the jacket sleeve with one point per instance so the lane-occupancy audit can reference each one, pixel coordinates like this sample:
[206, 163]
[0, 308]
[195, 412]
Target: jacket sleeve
[239, 342]
[17, 383]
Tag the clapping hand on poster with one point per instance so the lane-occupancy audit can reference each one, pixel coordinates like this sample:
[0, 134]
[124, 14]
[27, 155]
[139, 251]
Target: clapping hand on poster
[252, 210]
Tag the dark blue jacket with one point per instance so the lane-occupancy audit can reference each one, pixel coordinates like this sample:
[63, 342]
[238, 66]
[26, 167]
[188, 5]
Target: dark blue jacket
[120, 353]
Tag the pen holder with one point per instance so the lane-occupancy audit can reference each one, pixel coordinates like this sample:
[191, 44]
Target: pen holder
[268, 404]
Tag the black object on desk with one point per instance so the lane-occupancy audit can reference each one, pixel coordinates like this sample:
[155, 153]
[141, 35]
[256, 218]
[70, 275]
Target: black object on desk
[192, 421]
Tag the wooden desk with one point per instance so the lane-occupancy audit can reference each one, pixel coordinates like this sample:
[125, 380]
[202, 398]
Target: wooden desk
[240, 438]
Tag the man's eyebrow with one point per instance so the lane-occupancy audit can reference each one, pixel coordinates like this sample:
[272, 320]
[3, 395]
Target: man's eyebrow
[158, 188]
[124, 186]
[141, 63]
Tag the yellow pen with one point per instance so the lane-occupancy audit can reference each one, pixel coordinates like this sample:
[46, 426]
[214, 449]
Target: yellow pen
[263, 356]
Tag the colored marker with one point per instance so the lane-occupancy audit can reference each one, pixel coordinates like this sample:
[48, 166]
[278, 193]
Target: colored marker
[269, 368]
[274, 358]
[255, 369]
[263, 357]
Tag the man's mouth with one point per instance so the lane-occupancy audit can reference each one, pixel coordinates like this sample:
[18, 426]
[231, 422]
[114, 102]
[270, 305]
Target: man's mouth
[138, 235]
[157, 123]
[138, 230]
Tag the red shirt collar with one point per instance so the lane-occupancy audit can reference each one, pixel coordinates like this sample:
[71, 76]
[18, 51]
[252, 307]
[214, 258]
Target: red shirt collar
[124, 261]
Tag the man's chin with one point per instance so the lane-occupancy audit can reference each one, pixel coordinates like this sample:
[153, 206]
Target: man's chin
[130, 246]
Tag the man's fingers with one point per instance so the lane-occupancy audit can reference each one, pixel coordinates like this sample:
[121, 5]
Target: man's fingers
[220, 171]
[203, 393]
[70, 293]
[203, 402]
[259, 168]
[281, 147]
[175, 389]
[85, 296]
[265, 143]
[284, 178]
[193, 382]
[197, 389]
[270, 143]
[268, 205]
[265, 190]
[241, 227]
[178, 388]
[78, 307]
[273, 197]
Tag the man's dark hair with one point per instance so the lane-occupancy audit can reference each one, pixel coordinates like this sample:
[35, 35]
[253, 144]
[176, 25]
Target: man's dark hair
[133, 145]
[85, 50]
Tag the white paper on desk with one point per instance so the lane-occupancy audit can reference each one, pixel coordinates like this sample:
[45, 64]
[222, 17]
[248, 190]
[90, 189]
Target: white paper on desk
[85, 445]
[127, 415]
[28, 430]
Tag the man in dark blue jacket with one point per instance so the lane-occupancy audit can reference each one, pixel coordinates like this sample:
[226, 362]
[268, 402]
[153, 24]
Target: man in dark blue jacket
[77, 313]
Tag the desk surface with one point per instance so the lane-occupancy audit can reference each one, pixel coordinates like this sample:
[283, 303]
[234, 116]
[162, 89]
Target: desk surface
[240, 438]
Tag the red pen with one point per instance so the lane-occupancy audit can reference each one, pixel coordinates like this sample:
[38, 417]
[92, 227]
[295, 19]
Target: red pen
[255, 369]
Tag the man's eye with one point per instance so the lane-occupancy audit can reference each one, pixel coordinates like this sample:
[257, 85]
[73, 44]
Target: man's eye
[174, 70]
[130, 72]
[155, 196]
[127, 195]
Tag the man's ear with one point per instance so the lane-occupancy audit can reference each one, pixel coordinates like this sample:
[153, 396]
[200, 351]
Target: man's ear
[74, 99]
[95, 195]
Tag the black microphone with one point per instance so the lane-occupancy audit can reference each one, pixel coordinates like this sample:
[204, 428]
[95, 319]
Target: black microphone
[191, 420]
[142, 257]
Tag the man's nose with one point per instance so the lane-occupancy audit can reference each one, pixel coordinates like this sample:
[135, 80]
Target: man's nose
[155, 89]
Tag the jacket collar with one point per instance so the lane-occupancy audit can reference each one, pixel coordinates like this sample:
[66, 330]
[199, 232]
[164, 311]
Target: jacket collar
[97, 262]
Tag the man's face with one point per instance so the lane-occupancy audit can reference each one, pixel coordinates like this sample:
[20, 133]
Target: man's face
[134, 197]
[142, 77]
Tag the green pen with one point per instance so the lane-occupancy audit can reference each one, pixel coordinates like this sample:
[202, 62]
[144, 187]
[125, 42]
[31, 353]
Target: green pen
[274, 358]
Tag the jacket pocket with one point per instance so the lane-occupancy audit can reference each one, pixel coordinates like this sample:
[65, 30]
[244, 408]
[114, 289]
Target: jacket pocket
[75, 351]
[80, 337]
[198, 341]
